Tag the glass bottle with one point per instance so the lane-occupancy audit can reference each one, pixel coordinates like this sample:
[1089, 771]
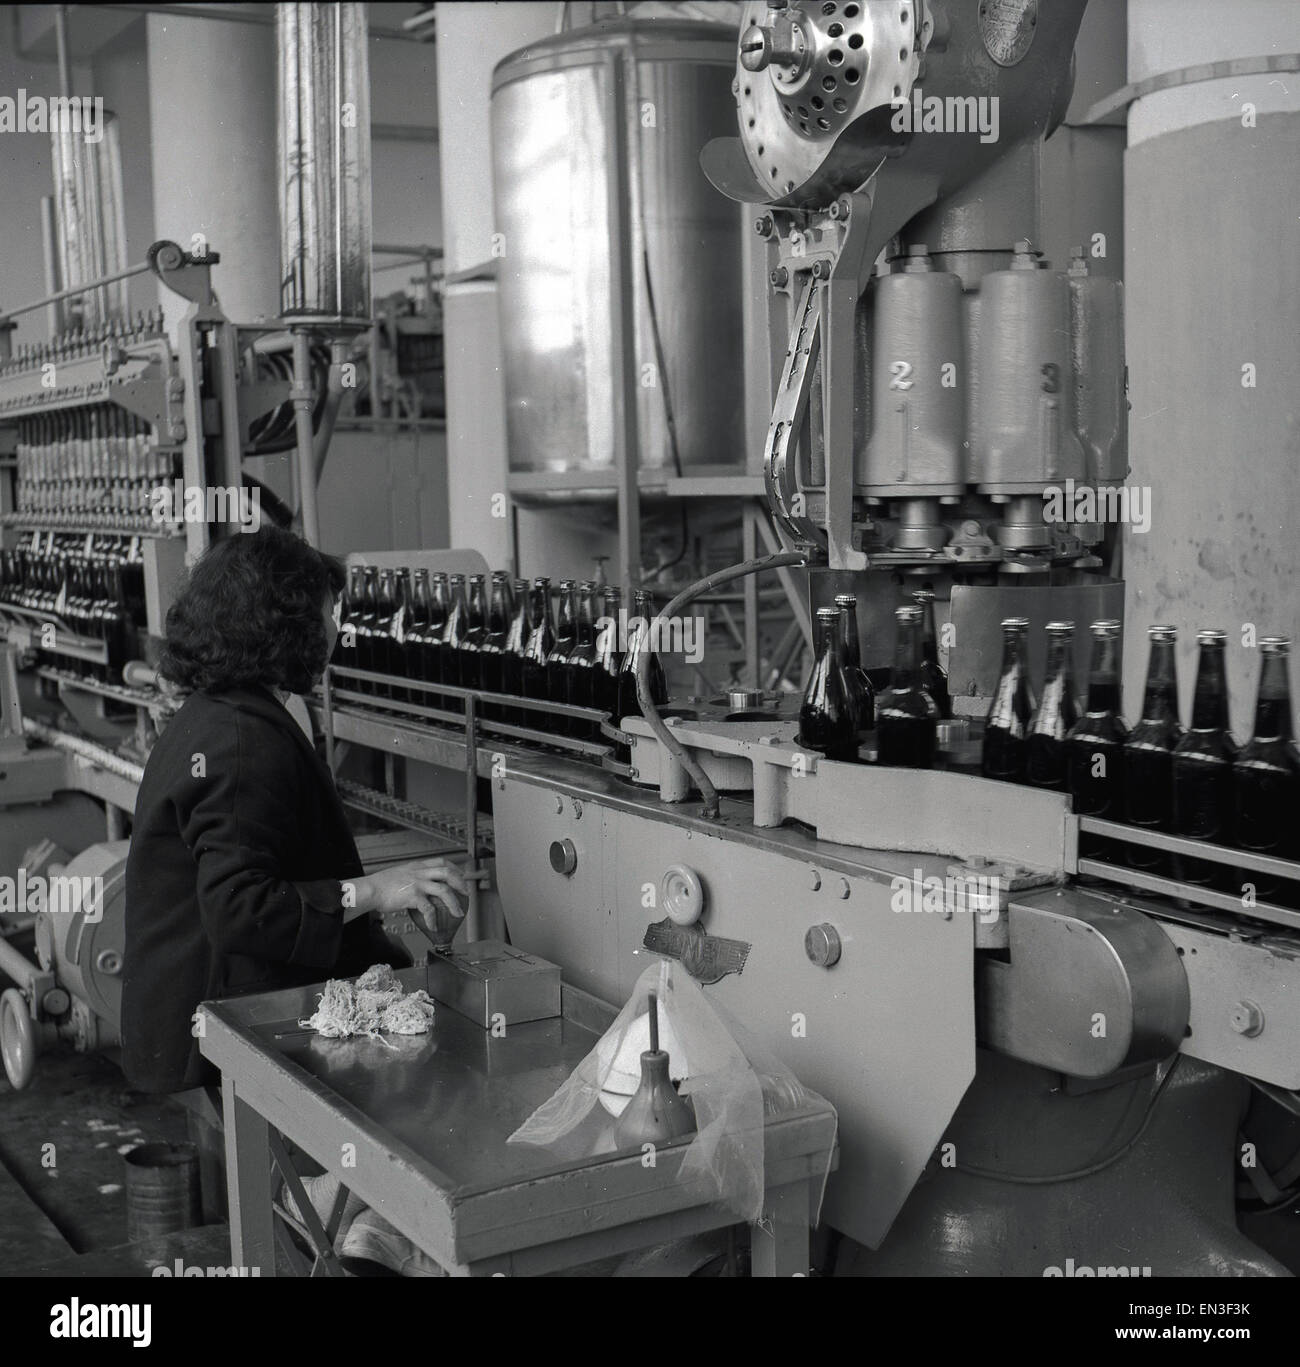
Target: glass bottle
[557, 662]
[345, 648]
[864, 696]
[1056, 713]
[537, 651]
[113, 624]
[1149, 752]
[1007, 726]
[907, 715]
[581, 665]
[397, 628]
[493, 643]
[1094, 748]
[609, 658]
[1202, 769]
[439, 611]
[367, 616]
[512, 653]
[639, 641]
[1266, 779]
[453, 638]
[827, 720]
[417, 635]
[933, 676]
[385, 607]
[476, 625]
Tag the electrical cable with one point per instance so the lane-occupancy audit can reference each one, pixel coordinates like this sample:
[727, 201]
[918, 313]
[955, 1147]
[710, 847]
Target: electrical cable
[650, 712]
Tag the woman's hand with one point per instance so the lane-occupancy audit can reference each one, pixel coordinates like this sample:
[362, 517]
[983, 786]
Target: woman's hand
[420, 884]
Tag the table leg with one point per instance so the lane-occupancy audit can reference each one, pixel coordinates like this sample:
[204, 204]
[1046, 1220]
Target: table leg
[248, 1181]
[779, 1248]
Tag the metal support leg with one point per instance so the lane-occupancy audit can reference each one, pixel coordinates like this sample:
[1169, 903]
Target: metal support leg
[248, 1180]
[780, 1249]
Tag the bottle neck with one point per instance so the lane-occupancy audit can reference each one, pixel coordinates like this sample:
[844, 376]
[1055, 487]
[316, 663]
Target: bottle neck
[1103, 676]
[1160, 700]
[828, 640]
[907, 655]
[1273, 707]
[850, 651]
[1210, 701]
[586, 620]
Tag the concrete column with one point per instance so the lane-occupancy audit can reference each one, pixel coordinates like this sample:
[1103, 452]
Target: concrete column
[213, 116]
[1212, 280]
[472, 38]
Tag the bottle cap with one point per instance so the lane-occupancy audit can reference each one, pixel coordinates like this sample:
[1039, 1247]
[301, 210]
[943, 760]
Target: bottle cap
[923, 595]
[828, 614]
[1211, 636]
[1105, 628]
[1275, 645]
[1061, 628]
[1164, 631]
[1015, 624]
[907, 614]
[846, 600]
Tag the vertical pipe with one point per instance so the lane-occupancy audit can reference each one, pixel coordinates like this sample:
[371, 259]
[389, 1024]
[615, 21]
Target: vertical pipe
[61, 48]
[749, 551]
[471, 815]
[305, 463]
[623, 325]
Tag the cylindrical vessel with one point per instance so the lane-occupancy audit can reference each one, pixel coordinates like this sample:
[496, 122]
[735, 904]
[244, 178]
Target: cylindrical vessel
[596, 142]
[90, 216]
[1023, 436]
[918, 363]
[162, 1190]
[1097, 343]
[1212, 314]
[324, 160]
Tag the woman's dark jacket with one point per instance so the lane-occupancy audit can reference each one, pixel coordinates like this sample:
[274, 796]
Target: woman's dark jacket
[238, 847]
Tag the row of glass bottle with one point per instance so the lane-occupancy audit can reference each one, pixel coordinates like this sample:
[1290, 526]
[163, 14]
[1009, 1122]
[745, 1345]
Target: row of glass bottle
[449, 629]
[840, 708]
[1159, 776]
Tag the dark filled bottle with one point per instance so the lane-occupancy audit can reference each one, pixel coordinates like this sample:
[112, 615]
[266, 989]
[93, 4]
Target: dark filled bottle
[381, 642]
[114, 625]
[439, 611]
[493, 643]
[541, 642]
[417, 634]
[366, 623]
[933, 677]
[864, 696]
[476, 626]
[1006, 728]
[1202, 769]
[1266, 780]
[397, 628]
[1149, 753]
[453, 638]
[907, 715]
[1095, 745]
[828, 722]
[639, 642]
[512, 652]
[345, 647]
[557, 662]
[581, 666]
[604, 689]
[1056, 713]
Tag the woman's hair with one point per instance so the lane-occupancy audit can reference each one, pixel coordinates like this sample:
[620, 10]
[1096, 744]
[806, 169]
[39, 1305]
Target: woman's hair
[250, 614]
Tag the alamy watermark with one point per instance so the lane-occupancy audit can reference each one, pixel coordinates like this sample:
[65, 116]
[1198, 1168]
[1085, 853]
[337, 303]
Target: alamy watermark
[967, 892]
[1128, 503]
[946, 114]
[26, 113]
[64, 894]
[668, 635]
[181, 502]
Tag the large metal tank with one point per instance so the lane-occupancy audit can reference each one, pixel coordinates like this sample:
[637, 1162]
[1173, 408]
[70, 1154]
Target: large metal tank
[1212, 314]
[596, 136]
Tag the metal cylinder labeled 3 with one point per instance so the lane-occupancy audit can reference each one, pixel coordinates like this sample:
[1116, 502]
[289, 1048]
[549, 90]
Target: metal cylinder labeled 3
[918, 395]
[1022, 434]
[1097, 340]
[324, 156]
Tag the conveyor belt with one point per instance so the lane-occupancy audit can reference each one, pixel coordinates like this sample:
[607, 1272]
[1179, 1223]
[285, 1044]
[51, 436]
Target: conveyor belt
[85, 749]
[449, 825]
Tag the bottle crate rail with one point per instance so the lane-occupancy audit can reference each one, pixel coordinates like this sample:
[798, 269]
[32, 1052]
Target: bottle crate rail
[399, 812]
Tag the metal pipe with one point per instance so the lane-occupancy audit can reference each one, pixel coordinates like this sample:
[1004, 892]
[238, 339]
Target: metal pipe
[140, 268]
[14, 965]
[301, 395]
[471, 815]
[61, 48]
[340, 349]
[650, 712]
[50, 246]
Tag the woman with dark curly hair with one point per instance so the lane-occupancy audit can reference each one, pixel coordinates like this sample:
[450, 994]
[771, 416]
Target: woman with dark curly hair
[243, 875]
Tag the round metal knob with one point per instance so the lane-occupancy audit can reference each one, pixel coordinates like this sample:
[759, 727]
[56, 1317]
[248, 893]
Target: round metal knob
[1246, 1018]
[682, 895]
[755, 48]
[109, 961]
[744, 699]
[822, 945]
[564, 857]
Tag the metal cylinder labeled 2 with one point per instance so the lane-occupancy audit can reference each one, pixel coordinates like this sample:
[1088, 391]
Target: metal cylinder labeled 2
[1097, 341]
[917, 379]
[1023, 435]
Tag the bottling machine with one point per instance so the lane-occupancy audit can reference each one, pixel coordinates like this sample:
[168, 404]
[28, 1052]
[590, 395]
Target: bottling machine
[1039, 1057]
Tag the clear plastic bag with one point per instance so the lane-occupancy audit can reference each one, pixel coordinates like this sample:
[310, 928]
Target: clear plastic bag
[732, 1083]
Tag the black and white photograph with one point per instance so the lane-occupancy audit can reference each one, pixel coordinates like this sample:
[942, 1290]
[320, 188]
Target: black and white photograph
[649, 639]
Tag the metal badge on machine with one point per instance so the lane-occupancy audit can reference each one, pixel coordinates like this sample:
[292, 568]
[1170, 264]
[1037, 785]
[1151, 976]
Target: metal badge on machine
[707, 958]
